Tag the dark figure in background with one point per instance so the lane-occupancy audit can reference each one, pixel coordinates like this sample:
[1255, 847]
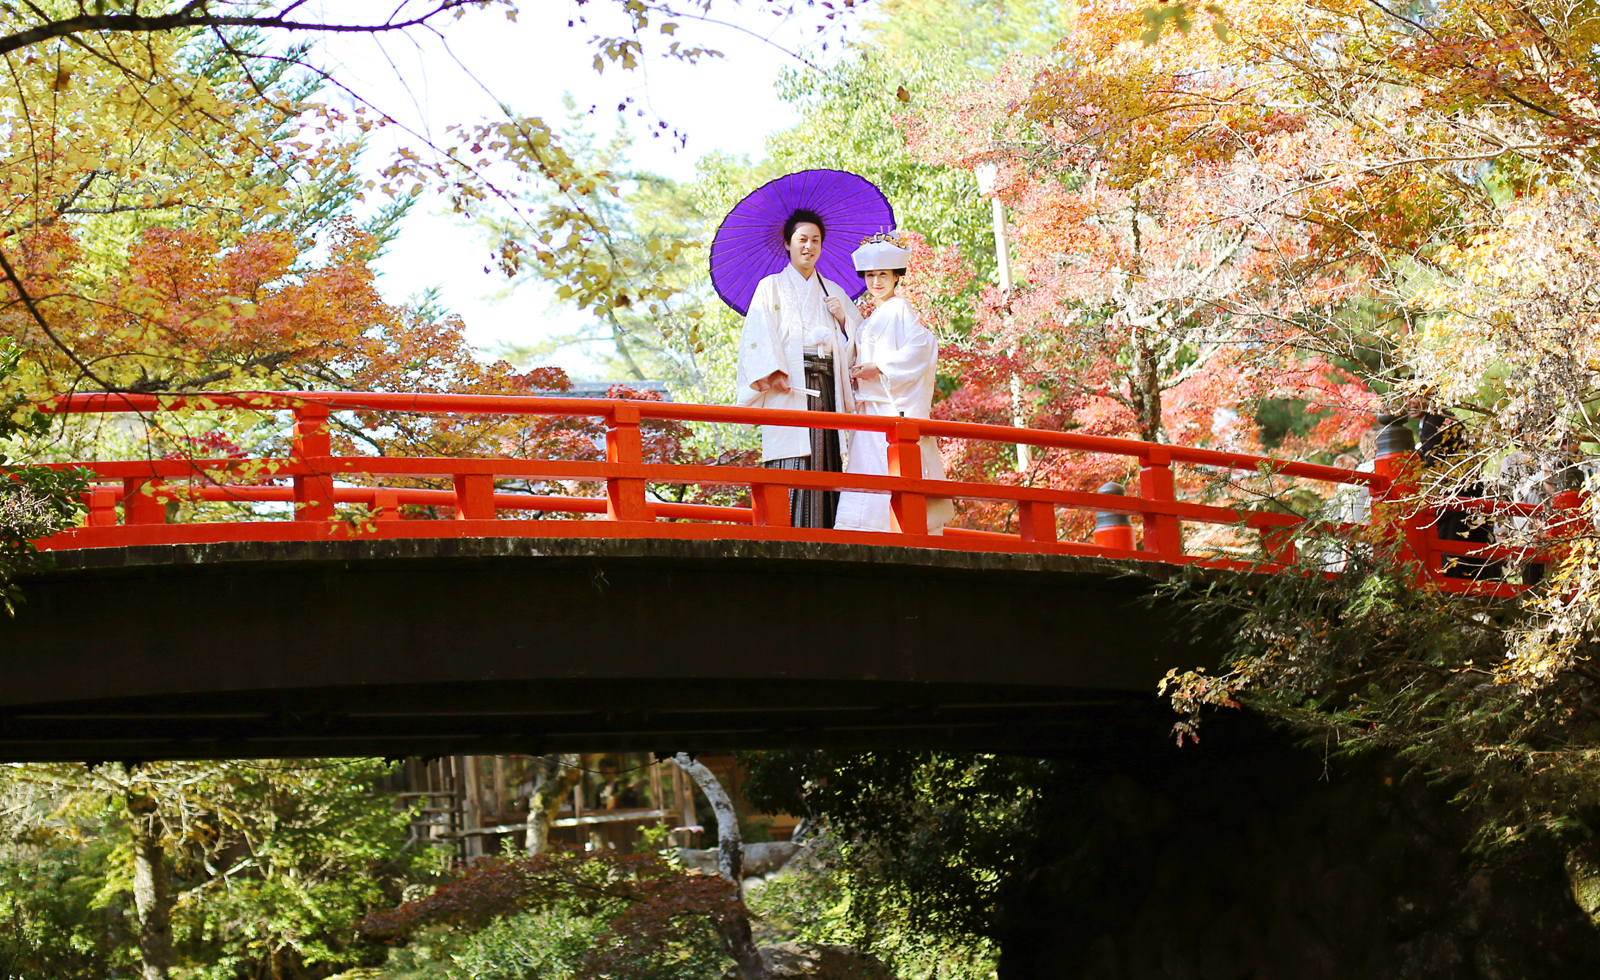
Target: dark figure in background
[1444, 453]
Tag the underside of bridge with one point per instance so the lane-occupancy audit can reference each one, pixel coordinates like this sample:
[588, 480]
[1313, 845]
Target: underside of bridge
[521, 645]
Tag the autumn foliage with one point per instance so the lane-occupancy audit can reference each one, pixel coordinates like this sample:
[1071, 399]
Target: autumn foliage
[1259, 224]
[1170, 279]
[652, 905]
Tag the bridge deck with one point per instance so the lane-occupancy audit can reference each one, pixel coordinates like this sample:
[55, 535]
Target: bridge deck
[435, 647]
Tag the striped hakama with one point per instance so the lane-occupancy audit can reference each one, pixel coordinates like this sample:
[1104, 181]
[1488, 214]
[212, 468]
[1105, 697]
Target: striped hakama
[816, 508]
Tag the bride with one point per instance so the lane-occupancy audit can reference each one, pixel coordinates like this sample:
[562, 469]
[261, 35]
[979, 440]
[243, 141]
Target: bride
[894, 375]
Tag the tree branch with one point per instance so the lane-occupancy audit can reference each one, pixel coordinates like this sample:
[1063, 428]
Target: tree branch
[197, 14]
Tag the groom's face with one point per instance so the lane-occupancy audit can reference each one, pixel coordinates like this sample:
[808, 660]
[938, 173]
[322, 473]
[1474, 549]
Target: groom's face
[805, 246]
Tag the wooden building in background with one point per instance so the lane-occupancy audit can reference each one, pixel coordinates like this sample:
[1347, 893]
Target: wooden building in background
[479, 804]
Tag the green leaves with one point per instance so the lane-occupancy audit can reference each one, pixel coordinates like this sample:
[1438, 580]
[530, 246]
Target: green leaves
[35, 501]
[931, 840]
[1179, 15]
[271, 862]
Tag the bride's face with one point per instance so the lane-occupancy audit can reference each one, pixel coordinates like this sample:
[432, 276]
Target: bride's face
[881, 284]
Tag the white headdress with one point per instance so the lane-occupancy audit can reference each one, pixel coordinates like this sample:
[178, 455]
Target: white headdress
[882, 252]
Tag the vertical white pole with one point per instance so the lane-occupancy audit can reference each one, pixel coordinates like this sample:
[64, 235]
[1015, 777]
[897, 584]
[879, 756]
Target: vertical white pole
[986, 174]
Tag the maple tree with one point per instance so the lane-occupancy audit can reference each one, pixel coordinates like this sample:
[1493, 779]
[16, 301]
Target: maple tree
[196, 118]
[178, 221]
[654, 911]
[1436, 165]
[1168, 282]
[160, 220]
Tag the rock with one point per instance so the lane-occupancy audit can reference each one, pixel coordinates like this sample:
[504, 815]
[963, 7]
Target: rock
[759, 859]
[1584, 877]
[699, 859]
[819, 961]
[765, 858]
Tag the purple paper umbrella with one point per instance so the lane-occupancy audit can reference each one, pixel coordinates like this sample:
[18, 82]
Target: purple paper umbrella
[749, 245]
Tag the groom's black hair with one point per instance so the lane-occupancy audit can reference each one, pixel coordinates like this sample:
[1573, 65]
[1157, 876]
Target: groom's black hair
[803, 216]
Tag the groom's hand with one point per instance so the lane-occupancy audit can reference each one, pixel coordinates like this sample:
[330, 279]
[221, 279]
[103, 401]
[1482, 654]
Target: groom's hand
[776, 381]
[836, 307]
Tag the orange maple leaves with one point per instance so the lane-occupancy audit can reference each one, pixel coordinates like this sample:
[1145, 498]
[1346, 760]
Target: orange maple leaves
[188, 313]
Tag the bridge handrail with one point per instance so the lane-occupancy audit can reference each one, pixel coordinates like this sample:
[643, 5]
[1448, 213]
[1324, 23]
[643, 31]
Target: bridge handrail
[456, 404]
[627, 509]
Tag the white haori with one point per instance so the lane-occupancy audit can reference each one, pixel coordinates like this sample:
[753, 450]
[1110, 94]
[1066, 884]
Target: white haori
[789, 314]
[906, 354]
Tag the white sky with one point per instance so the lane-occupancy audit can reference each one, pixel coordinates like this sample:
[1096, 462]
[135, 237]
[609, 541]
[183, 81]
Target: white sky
[428, 82]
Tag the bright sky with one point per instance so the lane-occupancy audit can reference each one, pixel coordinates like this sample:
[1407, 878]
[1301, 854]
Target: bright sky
[429, 82]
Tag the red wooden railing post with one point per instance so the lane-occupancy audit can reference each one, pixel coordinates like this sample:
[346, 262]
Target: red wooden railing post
[908, 512]
[385, 505]
[1399, 507]
[769, 504]
[474, 497]
[1563, 524]
[140, 505]
[1163, 533]
[313, 491]
[1036, 519]
[1278, 544]
[625, 499]
[100, 505]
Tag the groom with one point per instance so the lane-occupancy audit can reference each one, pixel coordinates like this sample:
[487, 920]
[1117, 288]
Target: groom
[798, 335]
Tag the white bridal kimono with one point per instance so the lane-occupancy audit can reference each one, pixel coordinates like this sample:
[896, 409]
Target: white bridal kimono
[906, 354]
[789, 314]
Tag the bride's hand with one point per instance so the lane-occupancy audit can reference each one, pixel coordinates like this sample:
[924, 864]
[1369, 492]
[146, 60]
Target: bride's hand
[866, 372]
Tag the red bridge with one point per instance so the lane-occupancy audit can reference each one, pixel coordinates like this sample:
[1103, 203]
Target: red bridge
[624, 619]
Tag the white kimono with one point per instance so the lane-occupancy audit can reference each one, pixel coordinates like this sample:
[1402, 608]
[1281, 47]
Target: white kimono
[787, 315]
[906, 354]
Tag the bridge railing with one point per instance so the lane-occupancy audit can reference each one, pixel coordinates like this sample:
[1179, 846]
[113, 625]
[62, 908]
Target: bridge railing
[126, 504]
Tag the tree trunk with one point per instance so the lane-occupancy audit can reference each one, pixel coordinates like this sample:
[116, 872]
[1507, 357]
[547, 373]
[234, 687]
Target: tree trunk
[556, 776]
[1145, 389]
[152, 890]
[1144, 379]
[735, 931]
